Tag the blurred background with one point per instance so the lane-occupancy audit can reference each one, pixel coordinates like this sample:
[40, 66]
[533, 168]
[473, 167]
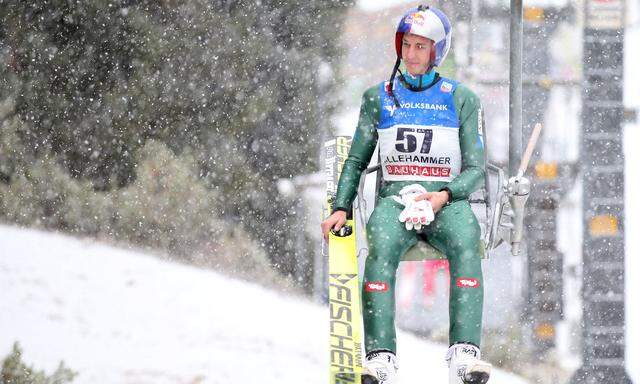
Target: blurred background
[162, 186]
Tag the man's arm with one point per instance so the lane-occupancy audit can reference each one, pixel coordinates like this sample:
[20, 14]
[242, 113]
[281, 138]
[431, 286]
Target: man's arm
[470, 114]
[362, 147]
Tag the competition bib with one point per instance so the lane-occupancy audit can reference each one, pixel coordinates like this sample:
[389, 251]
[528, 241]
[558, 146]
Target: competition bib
[420, 140]
[421, 153]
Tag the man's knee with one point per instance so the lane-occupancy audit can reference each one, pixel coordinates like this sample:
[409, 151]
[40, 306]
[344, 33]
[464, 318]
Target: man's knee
[460, 229]
[470, 236]
[383, 221]
[386, 236]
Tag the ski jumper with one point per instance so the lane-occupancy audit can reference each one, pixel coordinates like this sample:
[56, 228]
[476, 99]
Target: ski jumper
[434, 139]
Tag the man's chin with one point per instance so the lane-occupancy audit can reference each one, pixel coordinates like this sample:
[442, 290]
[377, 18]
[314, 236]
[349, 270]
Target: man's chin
[415, 69]
[414, 72]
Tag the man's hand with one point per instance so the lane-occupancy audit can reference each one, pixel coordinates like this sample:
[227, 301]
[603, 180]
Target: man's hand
[437, 199]
[335, 221]
[415, 213]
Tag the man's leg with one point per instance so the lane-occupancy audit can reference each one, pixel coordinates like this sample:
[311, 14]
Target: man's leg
[388, 240]
[456, 233]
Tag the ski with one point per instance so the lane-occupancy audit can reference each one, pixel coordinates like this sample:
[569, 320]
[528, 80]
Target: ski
[345, 318]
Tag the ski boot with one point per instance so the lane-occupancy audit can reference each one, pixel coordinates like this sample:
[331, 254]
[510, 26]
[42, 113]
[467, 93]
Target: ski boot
[465, 366]
[380, 367]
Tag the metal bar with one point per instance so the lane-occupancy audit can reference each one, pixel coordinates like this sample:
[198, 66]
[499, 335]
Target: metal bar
[372, 169]
[515, 86]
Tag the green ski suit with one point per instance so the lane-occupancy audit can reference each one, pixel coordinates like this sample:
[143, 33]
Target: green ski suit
[455, 230]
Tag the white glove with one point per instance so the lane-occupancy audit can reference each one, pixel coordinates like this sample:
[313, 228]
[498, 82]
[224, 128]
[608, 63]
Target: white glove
[415, 213]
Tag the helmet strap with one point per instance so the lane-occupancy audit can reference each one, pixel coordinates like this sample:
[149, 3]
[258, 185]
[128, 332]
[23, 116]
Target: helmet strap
[391, 81]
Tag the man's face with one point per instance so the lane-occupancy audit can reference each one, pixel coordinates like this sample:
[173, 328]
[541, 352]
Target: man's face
[416, 53]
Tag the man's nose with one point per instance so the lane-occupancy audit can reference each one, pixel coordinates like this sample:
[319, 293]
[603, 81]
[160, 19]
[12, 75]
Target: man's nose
[411, 52]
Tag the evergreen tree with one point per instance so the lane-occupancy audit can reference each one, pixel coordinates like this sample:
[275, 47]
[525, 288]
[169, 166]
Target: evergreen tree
[245, 86]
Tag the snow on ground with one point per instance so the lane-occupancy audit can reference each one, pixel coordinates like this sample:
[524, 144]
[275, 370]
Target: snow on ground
[118, 316]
